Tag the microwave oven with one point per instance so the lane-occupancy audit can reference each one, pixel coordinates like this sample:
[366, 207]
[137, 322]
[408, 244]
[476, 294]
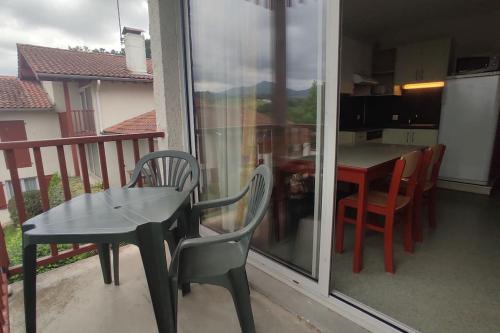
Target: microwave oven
[469, 65]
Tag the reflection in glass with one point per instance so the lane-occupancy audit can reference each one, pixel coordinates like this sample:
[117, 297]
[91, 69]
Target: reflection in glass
[257, 81]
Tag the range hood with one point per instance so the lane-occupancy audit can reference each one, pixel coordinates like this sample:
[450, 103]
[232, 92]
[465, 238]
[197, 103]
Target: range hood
[364, 80]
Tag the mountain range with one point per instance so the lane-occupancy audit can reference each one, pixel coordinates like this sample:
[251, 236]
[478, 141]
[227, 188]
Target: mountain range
[263, 90]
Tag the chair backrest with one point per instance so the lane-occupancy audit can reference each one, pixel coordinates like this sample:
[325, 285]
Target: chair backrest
[167, 168]
[259, 189]
[437, 157]
[424, 170]
[407, 167]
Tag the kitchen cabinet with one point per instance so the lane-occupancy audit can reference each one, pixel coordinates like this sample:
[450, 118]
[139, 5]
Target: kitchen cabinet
[423, 62]
[419, 137]
[348, 137]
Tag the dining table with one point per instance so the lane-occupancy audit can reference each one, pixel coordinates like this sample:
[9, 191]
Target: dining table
[359, 164]
[137, 216]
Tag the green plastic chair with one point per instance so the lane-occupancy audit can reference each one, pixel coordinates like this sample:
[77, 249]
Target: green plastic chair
[166, 168]
[221, 259]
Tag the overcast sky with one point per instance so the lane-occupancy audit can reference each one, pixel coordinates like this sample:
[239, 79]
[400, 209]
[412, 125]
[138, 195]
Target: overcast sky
[63, 23]
[236, 49]
[231, 47]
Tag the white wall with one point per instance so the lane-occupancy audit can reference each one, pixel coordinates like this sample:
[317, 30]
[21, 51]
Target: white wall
[39, 125]
[356, 57]
[123, 100]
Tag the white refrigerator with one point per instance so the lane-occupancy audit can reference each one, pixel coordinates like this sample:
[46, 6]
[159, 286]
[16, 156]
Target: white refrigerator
[469, 118]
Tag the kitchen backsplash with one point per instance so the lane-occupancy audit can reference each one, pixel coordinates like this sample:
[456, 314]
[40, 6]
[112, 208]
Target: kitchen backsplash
[413, 107]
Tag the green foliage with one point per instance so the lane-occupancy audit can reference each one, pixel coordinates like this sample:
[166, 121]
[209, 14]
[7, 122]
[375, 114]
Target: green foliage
[303, 110]
[147, 44]
[13, 240]
[13, 234]
[32, 204]
[56, 191]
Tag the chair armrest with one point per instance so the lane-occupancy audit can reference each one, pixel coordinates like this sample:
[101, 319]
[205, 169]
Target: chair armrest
[189, 243]
[208, 240]
[200, 206]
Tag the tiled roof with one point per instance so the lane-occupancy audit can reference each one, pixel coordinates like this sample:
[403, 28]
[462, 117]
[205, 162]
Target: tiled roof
[20, 94]
[143, 123]
[51, 62]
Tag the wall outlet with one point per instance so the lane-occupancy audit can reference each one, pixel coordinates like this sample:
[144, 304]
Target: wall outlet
[395, 116]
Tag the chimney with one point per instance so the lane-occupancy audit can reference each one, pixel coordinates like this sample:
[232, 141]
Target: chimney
[135, 50]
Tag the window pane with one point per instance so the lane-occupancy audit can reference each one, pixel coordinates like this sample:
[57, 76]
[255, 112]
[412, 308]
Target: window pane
[257, 81]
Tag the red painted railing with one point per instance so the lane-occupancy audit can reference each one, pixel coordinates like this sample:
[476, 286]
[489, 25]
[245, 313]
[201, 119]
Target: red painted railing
[59, 144]
[77, 123]
[4, 305]
[83, 122]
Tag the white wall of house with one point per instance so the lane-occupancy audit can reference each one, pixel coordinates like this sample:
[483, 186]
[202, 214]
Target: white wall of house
[119, 101]
[39, 125]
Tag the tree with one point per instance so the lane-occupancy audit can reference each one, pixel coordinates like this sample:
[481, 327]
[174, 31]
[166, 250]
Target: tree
[84, 48]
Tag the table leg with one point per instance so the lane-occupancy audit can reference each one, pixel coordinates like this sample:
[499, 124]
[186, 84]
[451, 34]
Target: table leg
[29, 284]
[103, 250]
[360, 225]
[152, 248]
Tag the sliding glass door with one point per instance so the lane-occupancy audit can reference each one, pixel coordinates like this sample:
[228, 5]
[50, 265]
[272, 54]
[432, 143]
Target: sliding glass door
[257, 80]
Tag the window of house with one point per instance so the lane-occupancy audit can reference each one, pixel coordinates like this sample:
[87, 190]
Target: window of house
[14, 130]
[86, 98]
[93, 161]
[27, 184]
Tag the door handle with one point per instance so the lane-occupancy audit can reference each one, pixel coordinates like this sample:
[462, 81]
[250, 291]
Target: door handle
[407, 135]
[413, 137]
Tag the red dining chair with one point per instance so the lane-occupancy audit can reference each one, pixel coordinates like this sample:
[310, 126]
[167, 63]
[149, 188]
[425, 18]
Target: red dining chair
[429, 190]
[419, 192]
[386, 204]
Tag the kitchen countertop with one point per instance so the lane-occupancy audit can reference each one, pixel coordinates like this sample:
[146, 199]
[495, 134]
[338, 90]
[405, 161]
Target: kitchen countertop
[412, 126]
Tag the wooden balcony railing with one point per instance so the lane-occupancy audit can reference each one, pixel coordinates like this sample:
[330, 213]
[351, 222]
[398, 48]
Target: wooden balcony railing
[83, 122]
[59, 144]
[4, 305]
[77, 123]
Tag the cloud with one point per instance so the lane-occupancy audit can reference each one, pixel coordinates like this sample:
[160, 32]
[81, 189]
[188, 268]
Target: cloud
[62, 23]
[233, 43]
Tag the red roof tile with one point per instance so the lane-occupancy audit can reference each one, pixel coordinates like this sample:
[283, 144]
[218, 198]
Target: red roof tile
[19, 94]
[47, 62]
[143, 123]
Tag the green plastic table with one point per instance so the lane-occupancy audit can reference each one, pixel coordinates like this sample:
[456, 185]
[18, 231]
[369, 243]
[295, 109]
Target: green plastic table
[138, 216]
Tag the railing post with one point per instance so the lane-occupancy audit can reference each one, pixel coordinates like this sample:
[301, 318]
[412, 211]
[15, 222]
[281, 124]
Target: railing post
[135, 143]
[64, 173]
[44, 191]
[104, 165]
[10, 161]
[85, 170]
[121, 163]
[151, 142]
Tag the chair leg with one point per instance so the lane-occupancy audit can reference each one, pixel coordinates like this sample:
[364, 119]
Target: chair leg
[173, 240]
[29, 284]
[116, 263]
[388, 245]
[103, 250]
[432, 208]
[408, 238]
[241, 296]
[339, 228]
[417, 225]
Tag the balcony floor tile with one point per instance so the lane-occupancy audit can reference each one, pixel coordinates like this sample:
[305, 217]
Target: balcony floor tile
[74, 298]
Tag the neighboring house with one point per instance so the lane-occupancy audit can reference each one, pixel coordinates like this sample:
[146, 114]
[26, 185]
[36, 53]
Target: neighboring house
[26, 113]
[82, 93]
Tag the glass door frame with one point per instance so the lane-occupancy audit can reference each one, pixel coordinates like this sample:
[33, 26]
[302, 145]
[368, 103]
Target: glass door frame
[318, 289]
